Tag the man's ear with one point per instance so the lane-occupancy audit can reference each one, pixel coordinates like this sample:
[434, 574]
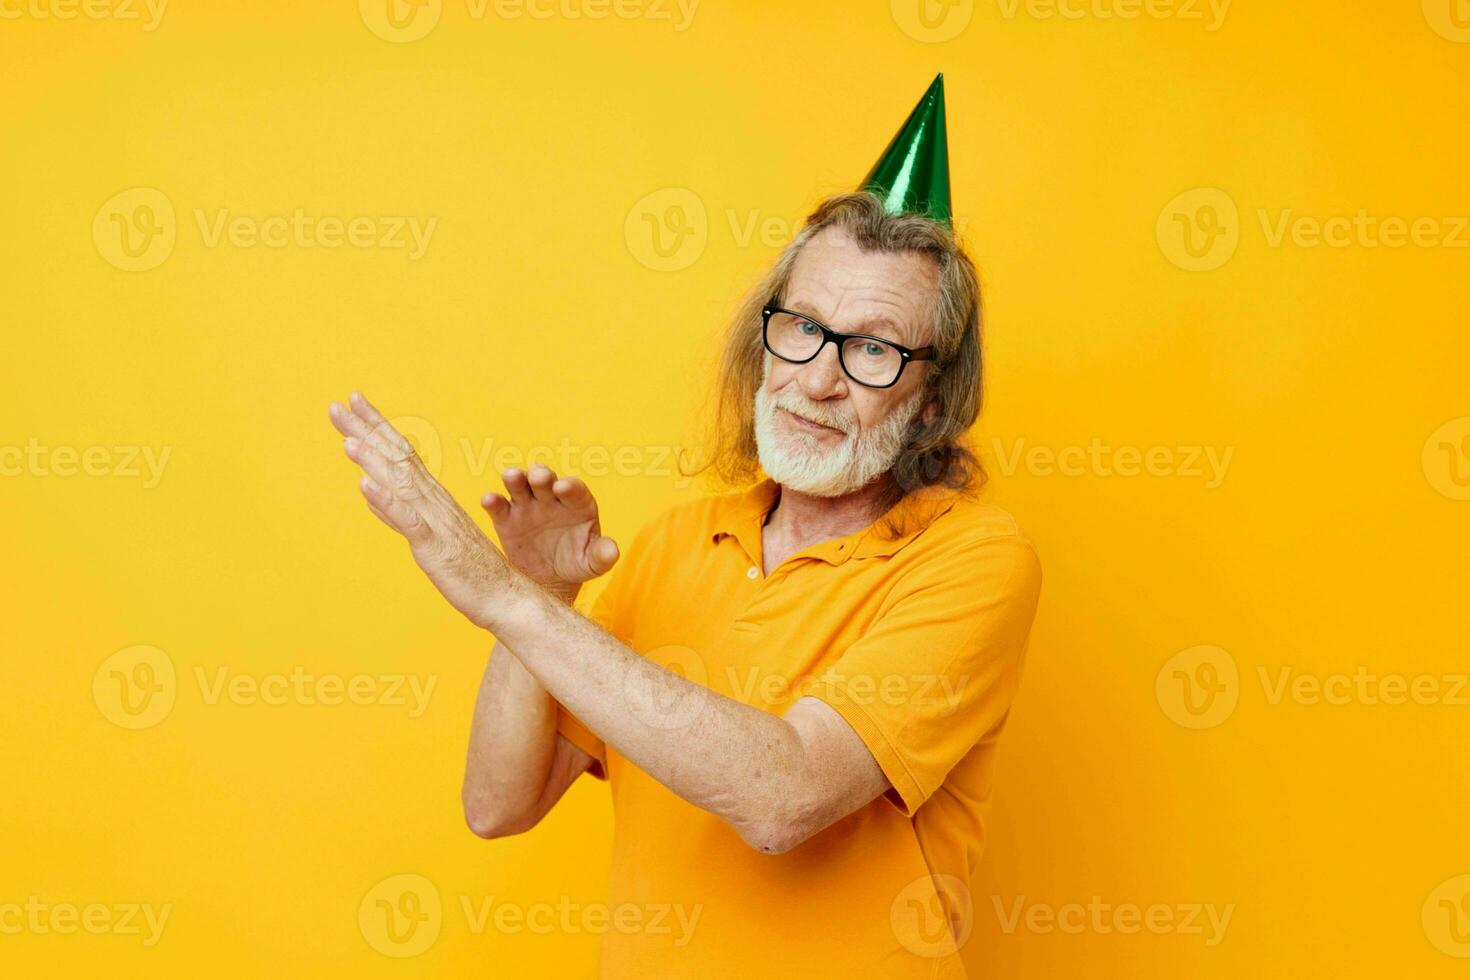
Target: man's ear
[930, 409]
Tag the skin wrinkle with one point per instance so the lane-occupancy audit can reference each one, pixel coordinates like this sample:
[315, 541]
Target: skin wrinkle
[844, 287]
[776, 780]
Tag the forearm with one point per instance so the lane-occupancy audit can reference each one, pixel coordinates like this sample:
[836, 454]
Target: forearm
[511, 746]
[741, 763]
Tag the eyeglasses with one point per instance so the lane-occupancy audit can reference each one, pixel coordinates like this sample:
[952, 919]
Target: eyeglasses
[870, 361]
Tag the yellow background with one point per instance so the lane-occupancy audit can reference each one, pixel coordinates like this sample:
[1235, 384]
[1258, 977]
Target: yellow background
[547, 150]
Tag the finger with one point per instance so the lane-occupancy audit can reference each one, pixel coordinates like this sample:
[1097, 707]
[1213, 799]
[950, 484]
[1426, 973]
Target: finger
[603, 555]
[351, 424]
[397, 477]
[496, 506]
[344, 421]
[393, 512]
[381, 514]
[516, 486]
[397, 446]
[541, 478]
[573, 493]
[365, 409]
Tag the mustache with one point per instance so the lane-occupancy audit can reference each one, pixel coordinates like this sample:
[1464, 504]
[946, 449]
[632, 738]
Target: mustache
[798, 407]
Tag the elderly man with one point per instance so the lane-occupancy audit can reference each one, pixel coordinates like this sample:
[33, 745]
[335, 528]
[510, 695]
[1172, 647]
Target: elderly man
[795, 691]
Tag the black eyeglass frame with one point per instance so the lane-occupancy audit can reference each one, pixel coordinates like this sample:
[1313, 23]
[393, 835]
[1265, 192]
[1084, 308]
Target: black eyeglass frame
[831, 336]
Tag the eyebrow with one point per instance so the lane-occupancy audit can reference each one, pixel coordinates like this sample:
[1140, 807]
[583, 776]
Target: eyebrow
[867, 326]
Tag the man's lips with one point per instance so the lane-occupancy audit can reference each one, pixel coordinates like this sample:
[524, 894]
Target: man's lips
[809, 425]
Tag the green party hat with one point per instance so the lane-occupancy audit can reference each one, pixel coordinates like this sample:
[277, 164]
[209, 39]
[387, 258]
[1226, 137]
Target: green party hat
[912, 175]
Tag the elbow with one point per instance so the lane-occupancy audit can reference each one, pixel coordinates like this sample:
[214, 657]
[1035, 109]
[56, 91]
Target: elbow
[489, 822]
[777, 829]
[771, 840]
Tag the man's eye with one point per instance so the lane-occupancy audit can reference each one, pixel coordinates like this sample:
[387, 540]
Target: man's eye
[807, 328]
[874, 350]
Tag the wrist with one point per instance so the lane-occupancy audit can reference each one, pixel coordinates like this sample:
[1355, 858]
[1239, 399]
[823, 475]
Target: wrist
[565, 591]
[517, 600]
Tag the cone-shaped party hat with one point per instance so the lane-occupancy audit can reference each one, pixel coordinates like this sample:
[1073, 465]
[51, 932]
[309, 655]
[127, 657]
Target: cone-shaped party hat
[912, 175]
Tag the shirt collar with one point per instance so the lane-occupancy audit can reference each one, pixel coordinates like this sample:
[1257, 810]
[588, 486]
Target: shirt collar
[742, 515]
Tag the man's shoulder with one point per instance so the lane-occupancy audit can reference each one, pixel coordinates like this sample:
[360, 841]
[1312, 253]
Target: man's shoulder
[981, 528]
[973, 517]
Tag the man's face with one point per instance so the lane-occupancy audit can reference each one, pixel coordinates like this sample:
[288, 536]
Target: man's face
[817, 430]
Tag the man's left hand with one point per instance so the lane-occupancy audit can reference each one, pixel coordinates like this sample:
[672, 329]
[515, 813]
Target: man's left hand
[446, 543]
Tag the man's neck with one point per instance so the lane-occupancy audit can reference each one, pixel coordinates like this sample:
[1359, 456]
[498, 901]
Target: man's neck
[800, 520]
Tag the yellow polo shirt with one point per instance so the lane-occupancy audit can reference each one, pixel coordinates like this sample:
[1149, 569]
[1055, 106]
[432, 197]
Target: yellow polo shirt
[917, 642]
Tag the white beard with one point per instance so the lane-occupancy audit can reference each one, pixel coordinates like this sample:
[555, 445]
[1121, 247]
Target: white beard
[798, 461]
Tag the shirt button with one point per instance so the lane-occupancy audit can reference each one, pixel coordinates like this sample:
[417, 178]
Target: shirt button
[752, 572]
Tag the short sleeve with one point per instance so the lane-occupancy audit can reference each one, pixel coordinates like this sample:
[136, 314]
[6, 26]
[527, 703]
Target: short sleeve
[939, 669]
[607, 611]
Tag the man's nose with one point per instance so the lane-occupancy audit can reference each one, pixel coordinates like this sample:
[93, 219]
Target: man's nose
[822, 377]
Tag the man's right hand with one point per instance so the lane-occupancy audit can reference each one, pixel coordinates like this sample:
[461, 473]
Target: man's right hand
[548, 528]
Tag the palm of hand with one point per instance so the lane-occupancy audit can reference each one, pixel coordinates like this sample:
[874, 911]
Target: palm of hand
[549, 528]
